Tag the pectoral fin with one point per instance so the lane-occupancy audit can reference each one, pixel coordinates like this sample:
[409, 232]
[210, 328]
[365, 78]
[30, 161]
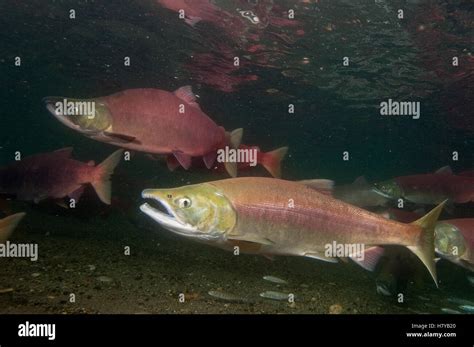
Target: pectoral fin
[323, 186]
[369, 259]
[184, 159]
[209, 159]
[121, 138]
[251, 238]
[172, 162]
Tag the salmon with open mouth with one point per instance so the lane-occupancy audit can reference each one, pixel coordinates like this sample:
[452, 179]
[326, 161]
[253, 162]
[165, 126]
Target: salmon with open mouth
[271, 216]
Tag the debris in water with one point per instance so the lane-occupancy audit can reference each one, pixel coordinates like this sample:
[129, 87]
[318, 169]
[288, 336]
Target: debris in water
[6, 290]
[104, 279]
[471, 280]
[274, 279]
[424, 298]
[460, 301]
[272, 91]
[383, 290]
[335, 309]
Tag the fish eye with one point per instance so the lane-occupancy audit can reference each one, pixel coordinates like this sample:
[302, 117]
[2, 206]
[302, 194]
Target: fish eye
[184, 202]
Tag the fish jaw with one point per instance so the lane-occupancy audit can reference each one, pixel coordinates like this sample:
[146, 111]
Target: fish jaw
[169, 221]
[388, 189]
[198, 211]
[87, 124]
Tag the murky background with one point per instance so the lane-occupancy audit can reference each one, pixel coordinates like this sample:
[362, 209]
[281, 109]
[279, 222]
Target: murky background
[283, 62]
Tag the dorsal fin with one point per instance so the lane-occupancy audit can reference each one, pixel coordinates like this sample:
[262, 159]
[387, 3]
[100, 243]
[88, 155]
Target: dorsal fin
[186, 94]
[64, 152]
[360, 181]
[323, 186]
[445, 170]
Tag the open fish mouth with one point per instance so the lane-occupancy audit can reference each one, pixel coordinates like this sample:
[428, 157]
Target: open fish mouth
[161, 212]
[50, 102]
[381, 193]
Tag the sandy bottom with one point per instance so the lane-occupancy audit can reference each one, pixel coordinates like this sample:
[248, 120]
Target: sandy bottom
[85, 257]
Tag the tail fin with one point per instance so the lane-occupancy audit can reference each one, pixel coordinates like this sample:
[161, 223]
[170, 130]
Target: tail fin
[234, 139]
[424, 249]
[101, 183]
[8, 224]
[271, 161]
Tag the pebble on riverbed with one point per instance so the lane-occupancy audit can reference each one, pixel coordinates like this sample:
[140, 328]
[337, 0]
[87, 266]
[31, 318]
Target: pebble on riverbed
[335, 309]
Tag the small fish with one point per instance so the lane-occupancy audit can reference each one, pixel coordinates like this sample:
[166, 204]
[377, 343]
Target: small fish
[450, 311]
[359, 193]
[227, 296]
[274, 279]
[429, 189]
[269, 294]
[55, 175]
[460, 301]
[467, 308]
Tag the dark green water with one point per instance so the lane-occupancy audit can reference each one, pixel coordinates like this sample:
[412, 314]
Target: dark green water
[336, 110]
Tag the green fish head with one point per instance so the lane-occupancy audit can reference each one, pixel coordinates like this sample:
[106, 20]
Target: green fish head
[88, 116]
[388, 189]
[449, 241]
[198, 211]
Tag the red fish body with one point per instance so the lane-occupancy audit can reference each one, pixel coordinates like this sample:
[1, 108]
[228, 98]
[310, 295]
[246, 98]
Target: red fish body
[195, 10]
[151, 121]
[56, 175]
[469, 173]
[153, 118]
[429, 188]
[434, 187]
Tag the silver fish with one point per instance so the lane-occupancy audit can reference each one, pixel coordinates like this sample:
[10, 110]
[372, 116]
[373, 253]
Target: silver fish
[274, 279]
[269, 294]
[227, 296]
